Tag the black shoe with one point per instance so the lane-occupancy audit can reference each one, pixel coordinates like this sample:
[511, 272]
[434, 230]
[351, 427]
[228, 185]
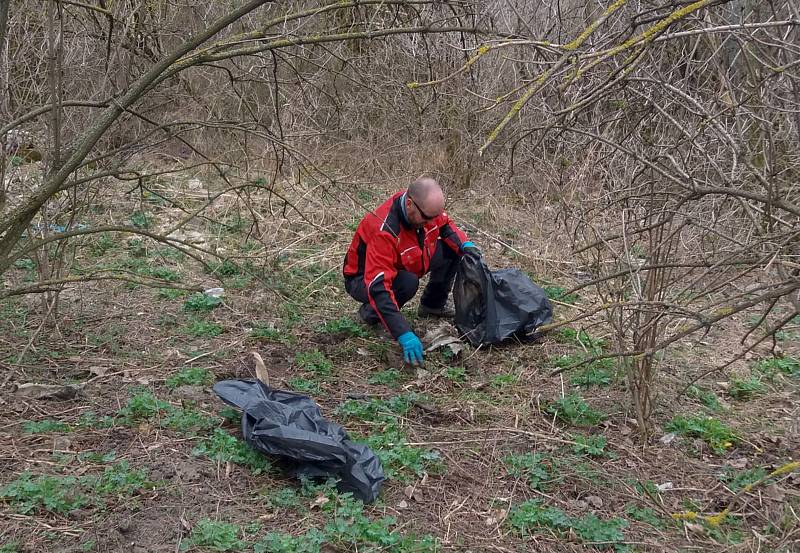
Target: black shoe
[367, 315]
[447, 311]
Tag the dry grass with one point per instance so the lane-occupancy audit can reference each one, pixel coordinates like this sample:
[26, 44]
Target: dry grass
[116, 340]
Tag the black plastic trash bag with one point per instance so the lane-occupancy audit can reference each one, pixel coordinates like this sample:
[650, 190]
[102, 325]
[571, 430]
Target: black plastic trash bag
[494, 305]
[290, 425]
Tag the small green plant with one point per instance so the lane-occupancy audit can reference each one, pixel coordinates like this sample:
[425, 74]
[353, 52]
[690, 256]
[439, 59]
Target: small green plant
[276, 542]
[304, 385]
[344, 325]
[708, 398]
[788, 366]
[269, 334]
[594, 374]
[142, 405]
[225, 268]
[26, 264]
[503, 380]
[389, 377]
[534, 515]
[171, 293]
[120, 480]
[10, 547]
[188, 420]
[230, 414]
[534, 467]
[718, 436]
[378, 410]
[284, 498]
[401, 461]
[195, 376]
[90, 419]
[223, 447]
[314, 361]
[745, 388]
[558, 293]
[201, 302]
[593, 446]
[29, 494]
[45, 426]
[644, 514]
[203, 329]
[102, 245]
[215, 535]
[141, 219]
[737, 480]
[573, 410]
[456, 374]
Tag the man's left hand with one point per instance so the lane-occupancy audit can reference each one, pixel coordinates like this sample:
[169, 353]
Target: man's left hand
[470, 248]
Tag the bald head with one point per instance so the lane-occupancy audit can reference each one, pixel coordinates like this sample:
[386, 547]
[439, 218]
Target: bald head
[428, 194]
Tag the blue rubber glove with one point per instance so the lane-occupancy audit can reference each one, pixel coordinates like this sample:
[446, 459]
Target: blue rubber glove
[469, 245]
[412, 348]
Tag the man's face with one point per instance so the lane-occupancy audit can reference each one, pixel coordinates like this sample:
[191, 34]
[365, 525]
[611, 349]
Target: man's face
[420, 212]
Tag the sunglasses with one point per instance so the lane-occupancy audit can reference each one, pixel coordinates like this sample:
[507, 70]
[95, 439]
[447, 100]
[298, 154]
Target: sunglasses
[424, 215]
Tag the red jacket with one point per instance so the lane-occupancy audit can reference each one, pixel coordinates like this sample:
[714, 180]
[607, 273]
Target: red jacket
[385, 243]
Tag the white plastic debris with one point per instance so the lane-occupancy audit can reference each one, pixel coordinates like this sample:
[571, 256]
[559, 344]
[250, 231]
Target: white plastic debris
[215, 292]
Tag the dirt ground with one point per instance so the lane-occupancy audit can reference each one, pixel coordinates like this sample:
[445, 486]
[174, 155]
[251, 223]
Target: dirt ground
[484, 450]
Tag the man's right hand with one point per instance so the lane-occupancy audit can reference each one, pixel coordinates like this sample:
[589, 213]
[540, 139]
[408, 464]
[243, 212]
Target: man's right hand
[412, 348]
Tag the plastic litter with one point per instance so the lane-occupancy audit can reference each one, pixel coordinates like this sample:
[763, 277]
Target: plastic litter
[290, 425]
[492, 306]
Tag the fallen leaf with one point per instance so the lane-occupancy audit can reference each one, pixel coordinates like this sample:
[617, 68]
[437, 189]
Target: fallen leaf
[739, 463]
[319, 502]
[594, 501]
[773, 491]
[412, 492]
[665, 486]
[667, 439]
[442, 336]
[403, 504]
[32, 390]
[261, 368]
[496, 516]
[98, 371]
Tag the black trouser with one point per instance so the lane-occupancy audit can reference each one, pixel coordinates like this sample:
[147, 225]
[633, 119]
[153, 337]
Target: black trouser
[444, 264]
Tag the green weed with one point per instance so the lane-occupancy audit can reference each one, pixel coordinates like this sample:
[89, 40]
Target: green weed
[269, 334]
[195, 376]
[120, 480]
[344, 325]
[788, 366]
[304, 385]
[708, 398]
[188, 420]
[644, 514]
[573, 410]
[716, 434]
[215, 535]
[42, 427]
[29, 494]
[534, 515]
[223, 447]
[10, 547]
[378, 410]
[456, 374]
[594, 374]
[276, 542]
[534, 467]
[503, 380]
[737, 480]
[203, 329]
[745, 388]
[224, 268]
[593, 446]
[201, 302]
[389, 377]
[26, 264]
[400, 460]
[141, 219]
[284, 498]
[557, 293]
[314, 361]
[171, 293]
[143, 405]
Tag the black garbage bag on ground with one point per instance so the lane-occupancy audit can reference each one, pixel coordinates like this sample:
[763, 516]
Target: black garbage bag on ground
[494, 305]
[290, 425]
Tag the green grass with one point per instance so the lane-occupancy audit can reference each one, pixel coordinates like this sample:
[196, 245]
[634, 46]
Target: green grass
[745, 388]
[143, 406]
[555, 292]
[389, 377]
[45, 426]
[708, 398]
[222, 447]
[141, 219]
[269, 334]
[171, 293]
[737, 480]
[594, 374]
[456, 374]
[195, 376]
[533, 515]
[201, 302]
[535, 468]
[787, 366]
[304, 385]
[314, 361]
[284, 498]
[344, 325]
[572, 409]
[644, 514]
[593, 446]
[215, 535]
[63, 494]
[203, 329]
[225, 268]
[712, 431]
[501, 381]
